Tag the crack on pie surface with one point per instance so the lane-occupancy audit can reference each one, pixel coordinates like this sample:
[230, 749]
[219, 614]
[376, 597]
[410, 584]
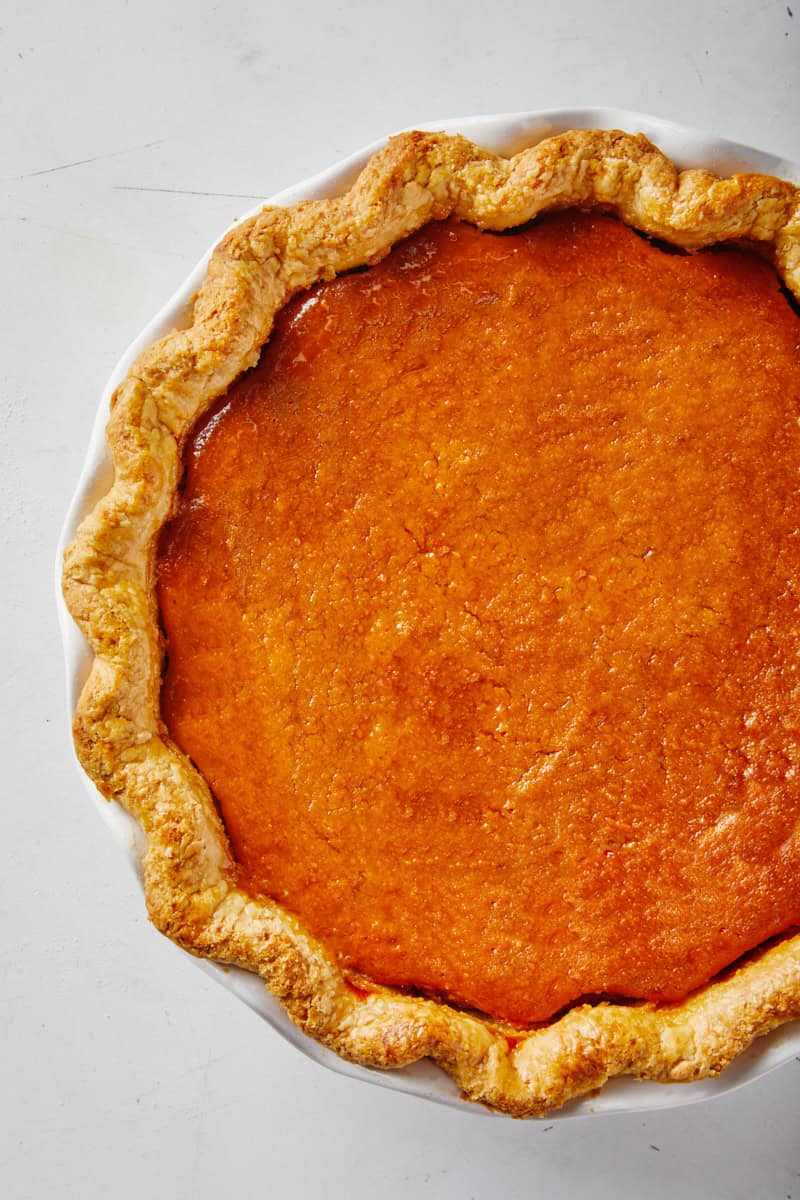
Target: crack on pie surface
[481, 622]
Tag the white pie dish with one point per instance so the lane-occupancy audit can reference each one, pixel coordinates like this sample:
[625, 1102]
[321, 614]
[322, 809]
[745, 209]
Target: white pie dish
[504, 134]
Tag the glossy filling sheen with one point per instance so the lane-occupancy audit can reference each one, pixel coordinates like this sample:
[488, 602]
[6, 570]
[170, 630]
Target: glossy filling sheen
[481, 615]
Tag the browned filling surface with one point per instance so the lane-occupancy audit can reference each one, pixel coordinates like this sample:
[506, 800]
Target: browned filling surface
[481, 613]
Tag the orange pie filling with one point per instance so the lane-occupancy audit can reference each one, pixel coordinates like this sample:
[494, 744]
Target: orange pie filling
[481, 615]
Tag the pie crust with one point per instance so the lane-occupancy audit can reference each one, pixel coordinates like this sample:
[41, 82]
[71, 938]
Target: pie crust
[109, 585]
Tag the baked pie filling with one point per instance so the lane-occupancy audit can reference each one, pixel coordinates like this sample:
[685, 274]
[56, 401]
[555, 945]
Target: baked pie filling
[480, 605]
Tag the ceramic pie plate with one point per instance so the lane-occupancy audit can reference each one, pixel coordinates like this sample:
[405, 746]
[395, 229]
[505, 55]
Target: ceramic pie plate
[505, 135]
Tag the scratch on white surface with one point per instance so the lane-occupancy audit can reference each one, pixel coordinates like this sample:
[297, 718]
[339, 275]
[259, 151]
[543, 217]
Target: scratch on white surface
[692, 63]
[121, 187]
[81, 162]
[192, 1071]
[98, 238]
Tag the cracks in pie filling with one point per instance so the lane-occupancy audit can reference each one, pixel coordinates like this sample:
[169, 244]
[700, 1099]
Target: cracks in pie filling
[480, 603]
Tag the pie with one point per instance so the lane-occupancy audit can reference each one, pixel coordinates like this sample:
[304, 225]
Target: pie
[444, 612]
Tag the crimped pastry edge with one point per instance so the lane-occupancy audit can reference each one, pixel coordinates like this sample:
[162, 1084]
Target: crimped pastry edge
[109, 589]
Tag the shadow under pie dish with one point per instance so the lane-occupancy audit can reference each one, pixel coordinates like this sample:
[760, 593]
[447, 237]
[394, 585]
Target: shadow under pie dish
[476, 734]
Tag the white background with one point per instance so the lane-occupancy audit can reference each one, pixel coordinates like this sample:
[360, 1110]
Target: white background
[132, 134]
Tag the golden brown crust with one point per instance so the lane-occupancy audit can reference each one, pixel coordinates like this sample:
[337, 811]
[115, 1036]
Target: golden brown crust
[108, 585]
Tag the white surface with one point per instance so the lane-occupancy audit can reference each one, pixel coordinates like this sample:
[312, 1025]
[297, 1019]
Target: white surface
[132, 135]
